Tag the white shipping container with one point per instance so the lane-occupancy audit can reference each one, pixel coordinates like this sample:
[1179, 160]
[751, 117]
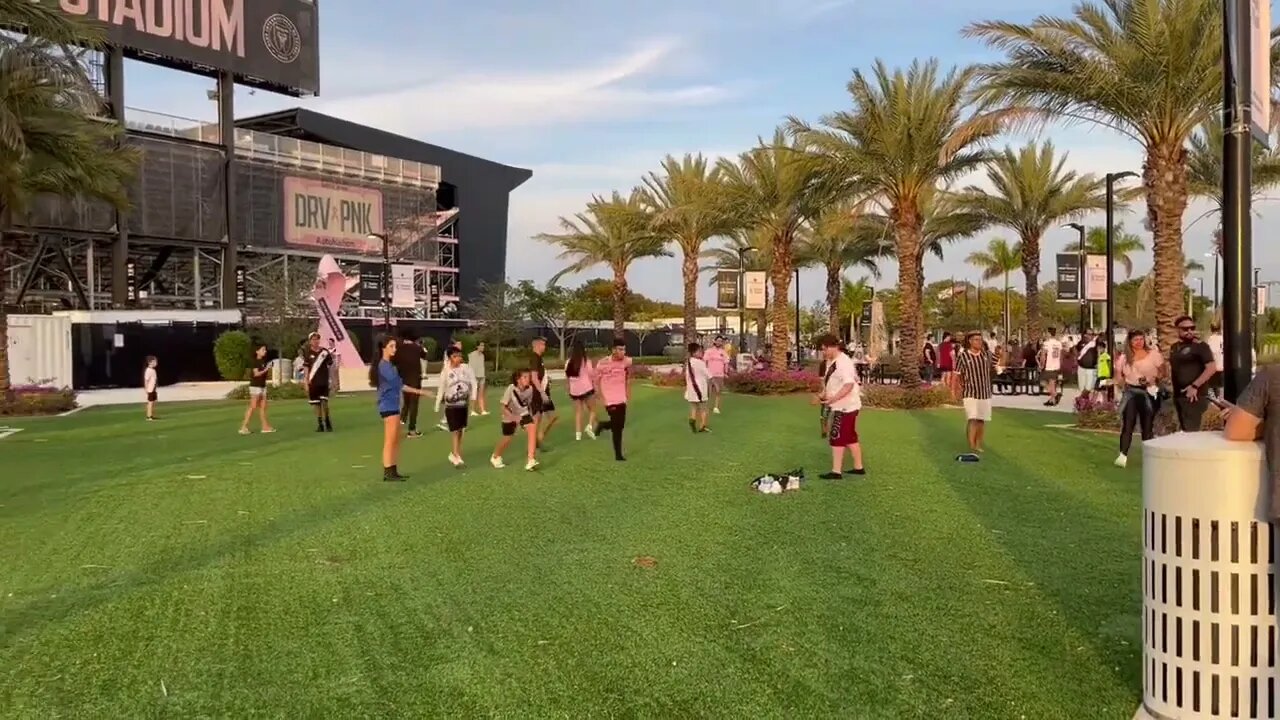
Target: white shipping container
[40, 350]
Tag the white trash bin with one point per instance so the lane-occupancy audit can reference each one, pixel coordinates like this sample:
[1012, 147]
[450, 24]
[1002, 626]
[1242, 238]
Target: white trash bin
[1208, 587]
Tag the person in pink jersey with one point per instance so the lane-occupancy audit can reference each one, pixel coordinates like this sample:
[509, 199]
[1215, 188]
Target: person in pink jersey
[718, 367]
[611, 377]
[582, 390]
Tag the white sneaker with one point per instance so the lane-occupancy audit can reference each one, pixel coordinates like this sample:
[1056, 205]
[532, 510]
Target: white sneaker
[531, 465]
[475, 414]
[1122, 460]
[496, 461]
[591, 433]
[577, 436]
[244, 431]
[457, 461]
[486, 412]
[716, 411]
[443, 425]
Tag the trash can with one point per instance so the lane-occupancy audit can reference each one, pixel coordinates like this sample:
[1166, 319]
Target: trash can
[1208, 586]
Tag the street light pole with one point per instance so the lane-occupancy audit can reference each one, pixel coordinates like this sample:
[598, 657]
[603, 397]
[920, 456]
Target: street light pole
[1110, 318]
[1080, 272]
[1237, 189]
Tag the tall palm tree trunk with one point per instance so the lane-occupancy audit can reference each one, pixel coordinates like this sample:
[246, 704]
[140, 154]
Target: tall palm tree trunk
[907, 236]
[689, 272]
[1031, 274]
[1165, 176]
[619, 301]
[833, 298]
[780, 277]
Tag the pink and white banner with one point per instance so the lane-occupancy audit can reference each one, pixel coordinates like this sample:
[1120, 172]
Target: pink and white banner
[331, 285]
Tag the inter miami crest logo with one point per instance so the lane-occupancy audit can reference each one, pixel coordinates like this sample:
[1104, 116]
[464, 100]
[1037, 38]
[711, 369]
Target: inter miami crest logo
[281, 37]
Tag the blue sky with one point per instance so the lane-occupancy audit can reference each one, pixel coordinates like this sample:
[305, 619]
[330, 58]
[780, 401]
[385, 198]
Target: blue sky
[591, 95]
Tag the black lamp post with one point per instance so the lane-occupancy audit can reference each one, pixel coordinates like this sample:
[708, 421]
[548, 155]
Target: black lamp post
[386, 279]
[1080, 272]
[1237, 191]
[742, 300]
[1110, 319]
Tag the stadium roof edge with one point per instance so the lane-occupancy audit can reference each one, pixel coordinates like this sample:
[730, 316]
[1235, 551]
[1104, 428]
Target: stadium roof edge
[344, 133]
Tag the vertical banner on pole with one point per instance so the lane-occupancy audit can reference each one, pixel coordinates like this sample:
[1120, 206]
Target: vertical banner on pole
[1068, 277]
[1095, 278]
[1259, 299]
[433, 294]
[1260, 77]
[131, 281]
[370, 283]
[754, 288]
[241, 290]
[727, 290]
[402, 286]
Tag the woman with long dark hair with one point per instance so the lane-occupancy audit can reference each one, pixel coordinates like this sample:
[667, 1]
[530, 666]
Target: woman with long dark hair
[384, 377]
[582, 390]
[1137, 372]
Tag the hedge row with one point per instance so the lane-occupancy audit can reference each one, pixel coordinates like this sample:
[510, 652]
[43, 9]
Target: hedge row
[33, 400]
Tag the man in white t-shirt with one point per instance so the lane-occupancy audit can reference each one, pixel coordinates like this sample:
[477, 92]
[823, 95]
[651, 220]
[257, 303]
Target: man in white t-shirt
[1215, 344]
[841, 392]
[1051, 365]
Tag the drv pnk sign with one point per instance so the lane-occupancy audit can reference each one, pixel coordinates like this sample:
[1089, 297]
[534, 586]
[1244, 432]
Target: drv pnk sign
[333, 217]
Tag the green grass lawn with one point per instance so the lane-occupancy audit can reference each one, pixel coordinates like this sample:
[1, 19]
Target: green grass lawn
[177, 569]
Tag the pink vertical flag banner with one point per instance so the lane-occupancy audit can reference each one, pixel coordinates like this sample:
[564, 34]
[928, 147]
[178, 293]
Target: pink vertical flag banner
[331, 285]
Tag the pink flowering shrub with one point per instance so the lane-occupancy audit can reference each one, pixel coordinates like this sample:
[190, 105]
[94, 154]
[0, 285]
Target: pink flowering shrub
[771, 382]
[36, 400]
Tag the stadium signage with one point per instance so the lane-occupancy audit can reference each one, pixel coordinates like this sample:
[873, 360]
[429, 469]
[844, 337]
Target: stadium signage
[322, 214]
[265, 43]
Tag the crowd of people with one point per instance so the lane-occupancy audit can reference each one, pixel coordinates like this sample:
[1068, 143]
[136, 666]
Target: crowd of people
[1139, 377]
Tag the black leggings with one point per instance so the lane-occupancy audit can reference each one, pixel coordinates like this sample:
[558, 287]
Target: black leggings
[1139, 408]
[616, 422]
[410, 410]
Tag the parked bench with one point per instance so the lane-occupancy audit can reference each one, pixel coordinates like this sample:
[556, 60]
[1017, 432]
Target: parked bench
[1018, 381]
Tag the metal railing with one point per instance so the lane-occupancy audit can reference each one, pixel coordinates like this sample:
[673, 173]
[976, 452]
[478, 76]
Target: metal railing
[280, 150]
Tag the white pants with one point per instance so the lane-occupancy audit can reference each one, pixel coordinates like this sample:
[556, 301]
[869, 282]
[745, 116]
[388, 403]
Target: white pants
[1088, 379]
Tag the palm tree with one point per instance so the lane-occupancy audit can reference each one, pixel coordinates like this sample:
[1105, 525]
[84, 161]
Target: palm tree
[1204, 166]
[908, 133]
[1148, 69]
[687, 205]
[1146, 291]
[614, 232]
[1124, 245]
[743, 251]
[843, 236]
[775, 189]
[852, 295]
[50, 141]
[999, 259]
[1032, 192]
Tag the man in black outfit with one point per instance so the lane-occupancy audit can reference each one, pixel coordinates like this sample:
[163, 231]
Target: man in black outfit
[318, 361]
[543, 407]
[1192, 366]
[408, 362]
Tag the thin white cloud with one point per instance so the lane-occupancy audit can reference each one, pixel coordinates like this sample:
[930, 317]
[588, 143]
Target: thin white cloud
[818, 9]
[612, 89]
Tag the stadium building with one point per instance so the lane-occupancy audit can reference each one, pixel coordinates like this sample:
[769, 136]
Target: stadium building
[229, 216]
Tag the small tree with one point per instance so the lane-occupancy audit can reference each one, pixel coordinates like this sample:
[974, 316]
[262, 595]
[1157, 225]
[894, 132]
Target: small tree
[284, 311]
[233, 354]
[646, 325]
[499, 312]
[551, 307]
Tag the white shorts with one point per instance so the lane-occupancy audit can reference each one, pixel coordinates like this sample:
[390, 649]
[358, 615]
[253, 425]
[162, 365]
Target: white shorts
[255, 391]
[1088, 379]
[975, 409]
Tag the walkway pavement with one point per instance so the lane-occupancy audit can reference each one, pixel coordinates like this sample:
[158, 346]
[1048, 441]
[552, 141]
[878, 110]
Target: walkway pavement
[1035, 402]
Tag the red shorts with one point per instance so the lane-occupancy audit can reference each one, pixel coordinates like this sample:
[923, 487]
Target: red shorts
[844, 428]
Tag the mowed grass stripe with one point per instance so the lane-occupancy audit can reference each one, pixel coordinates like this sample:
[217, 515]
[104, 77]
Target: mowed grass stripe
[300, 586]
